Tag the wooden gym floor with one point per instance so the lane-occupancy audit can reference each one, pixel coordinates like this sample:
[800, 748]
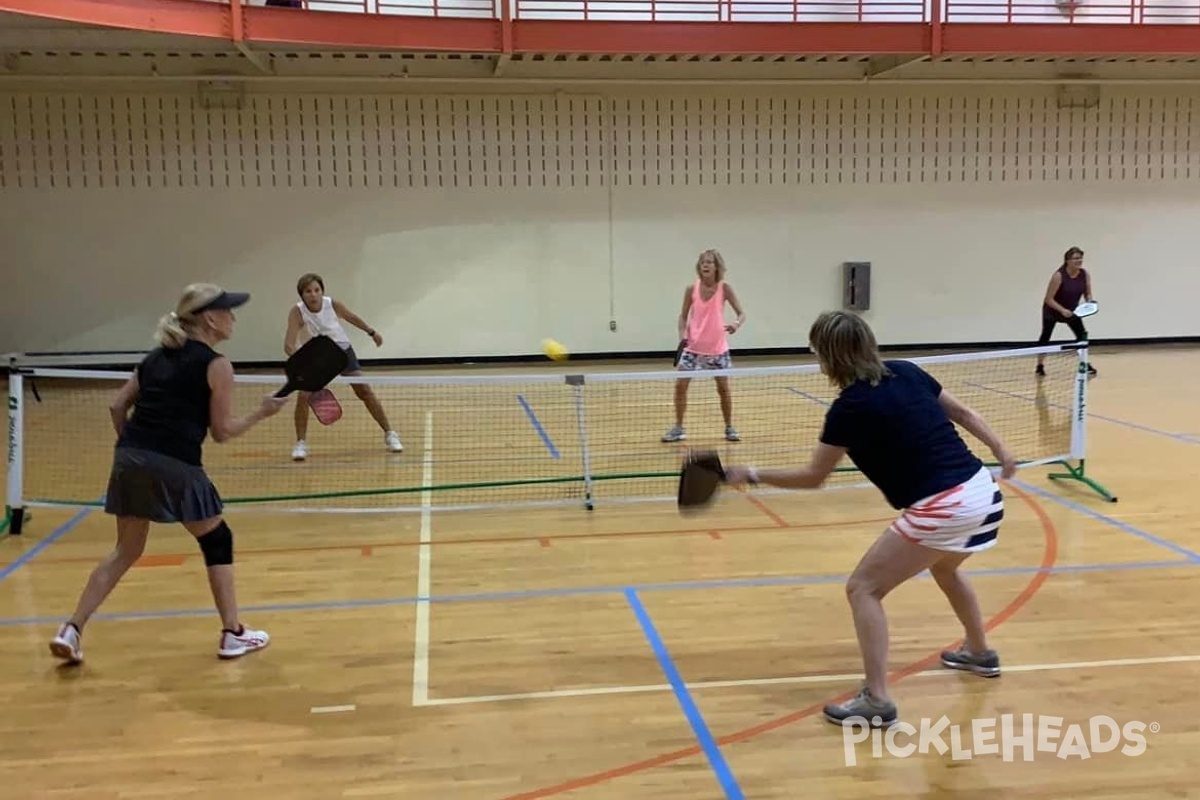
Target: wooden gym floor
[626, 654]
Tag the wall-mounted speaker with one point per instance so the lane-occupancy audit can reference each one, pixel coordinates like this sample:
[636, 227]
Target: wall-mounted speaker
[856, 285]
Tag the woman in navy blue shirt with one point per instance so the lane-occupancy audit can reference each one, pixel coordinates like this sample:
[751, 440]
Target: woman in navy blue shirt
[897, 425]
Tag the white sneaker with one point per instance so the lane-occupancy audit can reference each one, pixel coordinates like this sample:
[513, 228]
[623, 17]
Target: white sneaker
[300, 451]
[66, 644]
[391, 440]
[234, 645]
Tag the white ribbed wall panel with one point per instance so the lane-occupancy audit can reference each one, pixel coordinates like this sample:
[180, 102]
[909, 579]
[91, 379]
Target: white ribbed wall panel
[478, 224]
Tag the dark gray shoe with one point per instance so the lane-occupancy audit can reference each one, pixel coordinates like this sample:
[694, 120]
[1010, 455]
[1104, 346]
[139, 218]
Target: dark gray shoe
[986, 664]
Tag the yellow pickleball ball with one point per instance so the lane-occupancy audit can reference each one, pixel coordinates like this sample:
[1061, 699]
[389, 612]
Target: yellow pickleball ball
[554, 350]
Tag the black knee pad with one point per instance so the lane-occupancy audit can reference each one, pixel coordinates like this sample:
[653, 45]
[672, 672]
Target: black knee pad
[217, 546]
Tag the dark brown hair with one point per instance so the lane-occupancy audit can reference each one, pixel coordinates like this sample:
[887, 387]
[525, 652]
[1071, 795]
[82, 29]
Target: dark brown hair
[306, 279]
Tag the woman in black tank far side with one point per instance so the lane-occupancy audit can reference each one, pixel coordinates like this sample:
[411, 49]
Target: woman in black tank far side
[181, 392]
[1069, 286]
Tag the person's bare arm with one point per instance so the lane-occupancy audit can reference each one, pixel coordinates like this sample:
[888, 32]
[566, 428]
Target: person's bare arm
[1055, 282]
[295, 324]
[683, 313]
[1087, 287]
[967, 417]
[811, 476]
[126, 396]
[340, 309]
[731, 296]
[222, 423]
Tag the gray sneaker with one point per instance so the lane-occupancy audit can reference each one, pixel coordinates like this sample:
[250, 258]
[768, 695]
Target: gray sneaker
[676, 434]
[860, 709]
[731, 434]
[986, 664]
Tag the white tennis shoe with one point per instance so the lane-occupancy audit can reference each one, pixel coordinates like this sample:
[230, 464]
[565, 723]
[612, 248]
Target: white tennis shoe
[67, 644]
[235, 645]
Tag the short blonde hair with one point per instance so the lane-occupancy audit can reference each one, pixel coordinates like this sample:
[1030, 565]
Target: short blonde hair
[173, 329]
[718, 259]
[846, 347]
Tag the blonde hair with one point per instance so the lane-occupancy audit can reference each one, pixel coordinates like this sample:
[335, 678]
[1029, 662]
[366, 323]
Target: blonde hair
[718, 259]
[174, 328]
[846, 346]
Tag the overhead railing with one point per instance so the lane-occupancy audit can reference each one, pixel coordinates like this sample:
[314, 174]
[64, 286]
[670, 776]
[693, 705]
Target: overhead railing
[1060, 12]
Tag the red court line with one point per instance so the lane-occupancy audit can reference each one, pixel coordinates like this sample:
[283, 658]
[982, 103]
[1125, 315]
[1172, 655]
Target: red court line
[1049, 558]
[544, 541]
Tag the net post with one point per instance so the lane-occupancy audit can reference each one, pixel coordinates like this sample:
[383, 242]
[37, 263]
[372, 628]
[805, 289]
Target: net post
[1079, 406]
[14, 509]
[576, 383]
[1078, 471]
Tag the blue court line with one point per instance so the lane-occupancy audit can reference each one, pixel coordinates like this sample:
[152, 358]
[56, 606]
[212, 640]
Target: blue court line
[709, 744]
[533, 594]
[1179, 437]
[55, 535]
[808, 396]
[537, 426]
[1191, 555]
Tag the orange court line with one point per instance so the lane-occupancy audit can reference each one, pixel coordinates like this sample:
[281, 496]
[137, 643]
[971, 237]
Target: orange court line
[161, 560]
[1049, 558]
[763, 507]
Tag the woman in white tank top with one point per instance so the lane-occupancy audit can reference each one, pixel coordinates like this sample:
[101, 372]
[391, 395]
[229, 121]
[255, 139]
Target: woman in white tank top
[318, 315]
[325, 322]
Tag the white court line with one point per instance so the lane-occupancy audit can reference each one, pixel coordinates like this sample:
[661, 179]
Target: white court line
[332, 709]
[420, 696]
[857, 676]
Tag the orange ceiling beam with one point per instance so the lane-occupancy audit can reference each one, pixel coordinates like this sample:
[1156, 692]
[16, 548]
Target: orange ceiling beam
[507, 35]
[383, 31]
[160, 16]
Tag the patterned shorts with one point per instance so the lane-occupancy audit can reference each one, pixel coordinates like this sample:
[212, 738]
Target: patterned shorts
[689, 361]
[963, 519]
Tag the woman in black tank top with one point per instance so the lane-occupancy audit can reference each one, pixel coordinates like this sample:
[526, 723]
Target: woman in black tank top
[1069, 285]
[179, 393]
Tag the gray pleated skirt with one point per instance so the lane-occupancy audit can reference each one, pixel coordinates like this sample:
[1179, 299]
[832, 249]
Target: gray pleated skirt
[157, 487]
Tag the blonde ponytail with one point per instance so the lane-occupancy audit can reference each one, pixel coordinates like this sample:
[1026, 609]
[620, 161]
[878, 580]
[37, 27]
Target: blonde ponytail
[172, 330]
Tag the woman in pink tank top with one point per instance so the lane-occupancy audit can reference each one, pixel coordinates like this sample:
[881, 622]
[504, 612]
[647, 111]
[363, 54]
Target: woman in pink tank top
[703, 338]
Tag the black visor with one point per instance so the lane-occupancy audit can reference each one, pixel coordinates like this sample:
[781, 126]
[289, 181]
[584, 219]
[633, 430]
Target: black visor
[225, 300]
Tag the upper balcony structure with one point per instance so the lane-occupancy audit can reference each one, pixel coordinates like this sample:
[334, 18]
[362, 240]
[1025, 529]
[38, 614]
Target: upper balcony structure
[604, 41]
